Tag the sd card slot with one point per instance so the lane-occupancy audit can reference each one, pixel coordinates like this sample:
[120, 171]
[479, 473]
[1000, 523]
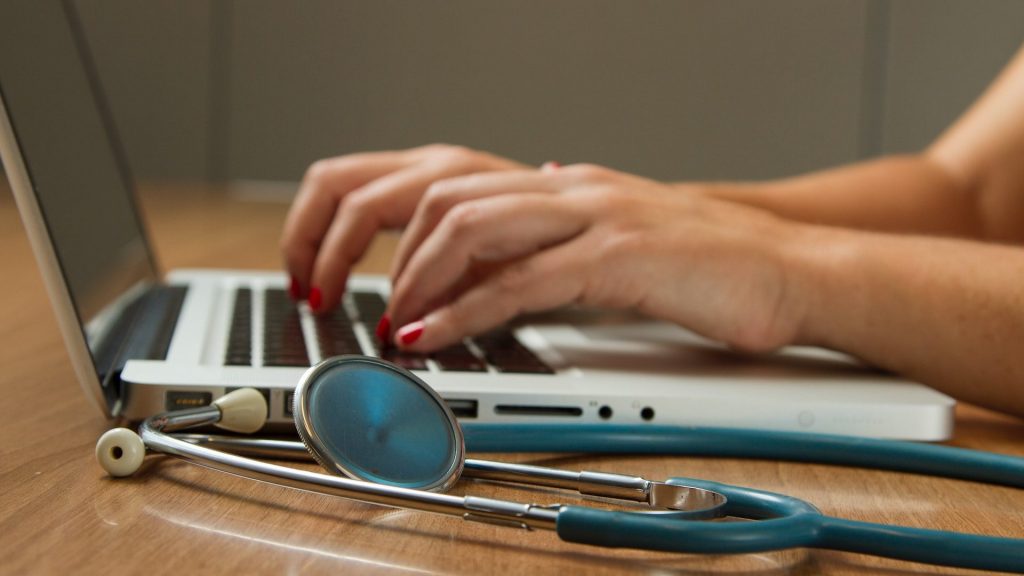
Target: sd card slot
[531, 410]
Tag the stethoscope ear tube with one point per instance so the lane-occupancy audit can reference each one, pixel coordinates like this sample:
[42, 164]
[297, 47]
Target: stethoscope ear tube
[927, 459]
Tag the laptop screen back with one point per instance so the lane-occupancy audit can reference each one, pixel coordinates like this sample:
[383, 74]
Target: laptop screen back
[76, 173]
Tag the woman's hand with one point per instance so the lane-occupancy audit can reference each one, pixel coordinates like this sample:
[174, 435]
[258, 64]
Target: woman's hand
[484, 248]
[344, 201]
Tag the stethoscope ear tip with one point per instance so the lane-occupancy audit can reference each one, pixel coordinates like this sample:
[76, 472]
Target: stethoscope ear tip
[244, 410]
[120, 452]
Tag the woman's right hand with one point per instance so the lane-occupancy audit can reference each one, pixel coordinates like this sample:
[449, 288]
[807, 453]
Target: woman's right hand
[344, 201]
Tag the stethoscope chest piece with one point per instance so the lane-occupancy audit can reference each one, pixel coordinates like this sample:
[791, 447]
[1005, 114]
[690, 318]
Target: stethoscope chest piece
[374, 421]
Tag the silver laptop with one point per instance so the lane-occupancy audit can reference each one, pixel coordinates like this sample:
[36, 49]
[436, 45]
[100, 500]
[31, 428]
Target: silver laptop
[142, 343]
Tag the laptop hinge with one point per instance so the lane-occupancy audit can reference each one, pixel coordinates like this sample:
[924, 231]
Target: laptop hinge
[142, 331]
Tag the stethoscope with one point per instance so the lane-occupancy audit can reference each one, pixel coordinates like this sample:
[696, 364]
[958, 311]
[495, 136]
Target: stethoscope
[389, 439]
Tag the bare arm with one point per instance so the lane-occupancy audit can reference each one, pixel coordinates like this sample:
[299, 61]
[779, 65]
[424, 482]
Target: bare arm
[969, 183]
[945, 312]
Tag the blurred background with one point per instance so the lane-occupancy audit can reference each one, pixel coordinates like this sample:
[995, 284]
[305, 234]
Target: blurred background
[223, 90]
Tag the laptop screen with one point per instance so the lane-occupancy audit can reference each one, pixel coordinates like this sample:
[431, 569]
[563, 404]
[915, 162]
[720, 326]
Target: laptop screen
[64, 136]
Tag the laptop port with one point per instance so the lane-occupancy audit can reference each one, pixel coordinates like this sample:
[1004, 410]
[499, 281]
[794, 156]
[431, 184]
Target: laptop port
[462, 408]
[180, 400]
[526, 410]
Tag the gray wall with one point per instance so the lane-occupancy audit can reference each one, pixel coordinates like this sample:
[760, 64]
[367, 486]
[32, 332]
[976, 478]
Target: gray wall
[941, 54]
[227, 89]
[154, 60]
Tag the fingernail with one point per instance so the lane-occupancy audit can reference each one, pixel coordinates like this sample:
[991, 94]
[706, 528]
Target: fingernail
[315, 298]
[410, 333]
[550, 166]
[383, 328]
[293, 289]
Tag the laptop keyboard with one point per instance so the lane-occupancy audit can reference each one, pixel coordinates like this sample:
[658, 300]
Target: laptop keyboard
[284, 342]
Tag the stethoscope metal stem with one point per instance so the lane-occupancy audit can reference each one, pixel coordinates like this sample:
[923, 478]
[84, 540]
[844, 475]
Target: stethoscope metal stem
[512, 514]
[698, 503]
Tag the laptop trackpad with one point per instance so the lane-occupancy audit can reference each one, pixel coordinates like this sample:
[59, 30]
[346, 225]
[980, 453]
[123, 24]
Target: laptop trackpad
[619, 341]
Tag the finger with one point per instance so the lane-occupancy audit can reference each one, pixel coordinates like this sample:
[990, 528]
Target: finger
[490, 229]
[549, 279]
[387, 202]
[446, 194]
[326, 183]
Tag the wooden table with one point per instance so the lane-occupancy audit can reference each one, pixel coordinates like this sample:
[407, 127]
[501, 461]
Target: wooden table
[60, 514]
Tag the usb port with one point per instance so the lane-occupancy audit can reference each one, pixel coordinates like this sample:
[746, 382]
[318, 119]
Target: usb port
[462, 408]
[289, 404]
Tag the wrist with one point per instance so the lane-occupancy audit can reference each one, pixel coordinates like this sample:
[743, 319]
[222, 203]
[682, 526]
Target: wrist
[824, 291]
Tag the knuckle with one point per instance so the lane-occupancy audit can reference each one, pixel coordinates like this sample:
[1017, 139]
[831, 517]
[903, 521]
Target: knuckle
[454, 157]
[461, 220]
[438, 198]
[357, 203]
[319, 175]
[589, 172]
[317, 172]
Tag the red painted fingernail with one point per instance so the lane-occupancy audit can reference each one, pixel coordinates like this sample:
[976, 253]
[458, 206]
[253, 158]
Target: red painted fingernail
[410, 333]
[294, 290]
[383, 328]
[550, 166]
[315, 298]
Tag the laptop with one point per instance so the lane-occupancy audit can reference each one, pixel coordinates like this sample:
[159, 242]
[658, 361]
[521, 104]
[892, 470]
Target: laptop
[142, 341]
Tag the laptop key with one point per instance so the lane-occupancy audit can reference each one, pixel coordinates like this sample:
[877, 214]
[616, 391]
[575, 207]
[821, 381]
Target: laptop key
[370, 306]
[335, 335]
[503, 350]
[458, 358]
[407, 360]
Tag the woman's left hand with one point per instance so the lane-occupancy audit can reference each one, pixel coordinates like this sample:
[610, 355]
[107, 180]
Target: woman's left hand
[484, 248]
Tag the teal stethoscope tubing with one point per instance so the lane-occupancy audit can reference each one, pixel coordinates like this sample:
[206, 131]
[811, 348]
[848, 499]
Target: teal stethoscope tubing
[782, 521]
[785, 522]
[927, 459]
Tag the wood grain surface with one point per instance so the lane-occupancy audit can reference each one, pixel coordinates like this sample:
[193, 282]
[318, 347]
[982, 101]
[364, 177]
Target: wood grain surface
[60, 514]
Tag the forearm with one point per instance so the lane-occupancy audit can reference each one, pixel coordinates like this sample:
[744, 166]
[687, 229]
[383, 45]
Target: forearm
[968, 183]
[948, 313]
[910, 194]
